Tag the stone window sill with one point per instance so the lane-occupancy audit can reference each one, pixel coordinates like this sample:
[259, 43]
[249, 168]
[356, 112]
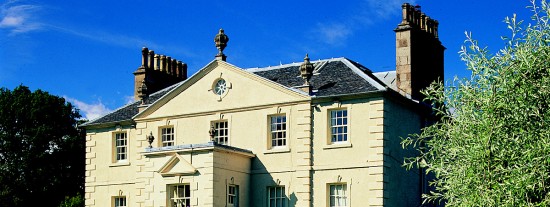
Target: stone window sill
[336, 145]
[277, 150]
[119, 164]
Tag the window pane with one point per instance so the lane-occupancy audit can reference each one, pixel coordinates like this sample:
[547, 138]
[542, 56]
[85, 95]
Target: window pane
[120, 202]
[222, 132]
[337, 194]
[338, 126]
[120, 146]
[278, 130]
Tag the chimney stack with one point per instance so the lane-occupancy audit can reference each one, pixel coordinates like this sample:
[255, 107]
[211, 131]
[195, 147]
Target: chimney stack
[419, 53]
[156, 73]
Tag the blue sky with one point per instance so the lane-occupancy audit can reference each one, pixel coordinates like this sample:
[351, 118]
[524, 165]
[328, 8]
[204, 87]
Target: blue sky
[87, 50]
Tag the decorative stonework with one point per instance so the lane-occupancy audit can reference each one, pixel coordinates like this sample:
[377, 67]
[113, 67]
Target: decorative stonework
[221, 40]
[220, 88]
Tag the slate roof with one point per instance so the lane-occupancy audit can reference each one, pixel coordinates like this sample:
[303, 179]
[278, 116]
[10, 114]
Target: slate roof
[388, 77]
[331, 77]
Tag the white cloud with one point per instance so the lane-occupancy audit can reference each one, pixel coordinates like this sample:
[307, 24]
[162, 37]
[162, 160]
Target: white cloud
[129, 99]
[385, 9]
[89, 111]
[121, 40]
[334, 33]
[11, 21]
[108, 38]
[19, 18]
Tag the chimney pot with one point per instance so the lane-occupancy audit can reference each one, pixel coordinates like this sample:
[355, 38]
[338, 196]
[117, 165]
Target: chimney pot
[173, 68]
[151, 57]
[178, 69]
[423, 21]
[168, 64]
[157, 62]
[163, 63]
[405, 13]
[184, 71]
[144, 53]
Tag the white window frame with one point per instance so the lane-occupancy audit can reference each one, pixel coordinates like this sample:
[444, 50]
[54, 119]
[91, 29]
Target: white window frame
[174, 195]
[120, 146]
[276, 198]
[221, 132]
[337, 195]
[339, 125]
[278, 131]
[120, 201]
[233, 195]
[167, 136]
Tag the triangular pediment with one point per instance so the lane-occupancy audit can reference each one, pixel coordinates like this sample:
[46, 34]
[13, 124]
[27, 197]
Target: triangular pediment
[177, 166]
[242, 89]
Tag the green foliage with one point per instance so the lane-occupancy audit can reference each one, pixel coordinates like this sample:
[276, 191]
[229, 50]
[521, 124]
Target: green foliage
[41, 150]
[75, 201]
[492, 145]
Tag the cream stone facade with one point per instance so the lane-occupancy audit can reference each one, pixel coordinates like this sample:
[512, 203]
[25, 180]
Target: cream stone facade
[321, 133]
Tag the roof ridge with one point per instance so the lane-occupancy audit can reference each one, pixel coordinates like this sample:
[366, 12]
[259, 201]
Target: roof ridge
[373, 80]
[258, 69]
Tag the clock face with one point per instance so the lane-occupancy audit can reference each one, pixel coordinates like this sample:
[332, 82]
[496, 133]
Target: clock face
[220, 87]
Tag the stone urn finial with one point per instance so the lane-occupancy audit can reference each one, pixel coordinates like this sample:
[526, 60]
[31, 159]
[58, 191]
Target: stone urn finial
[142, 93]
[221, 40]
[306, 70]
[212, 133]
[150, 139]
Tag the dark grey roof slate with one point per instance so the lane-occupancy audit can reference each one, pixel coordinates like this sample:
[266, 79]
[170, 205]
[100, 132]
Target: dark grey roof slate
[331, 77]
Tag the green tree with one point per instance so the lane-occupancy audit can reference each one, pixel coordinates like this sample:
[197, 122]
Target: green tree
[491, 146]
[75, 201]
[41, 150]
